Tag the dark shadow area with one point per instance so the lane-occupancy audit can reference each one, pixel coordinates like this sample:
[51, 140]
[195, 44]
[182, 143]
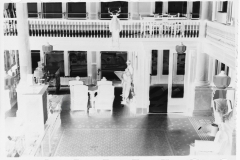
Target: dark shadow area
[158, 95]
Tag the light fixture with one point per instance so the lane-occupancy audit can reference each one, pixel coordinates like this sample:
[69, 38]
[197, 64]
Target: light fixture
[181, 48]
[47, 48]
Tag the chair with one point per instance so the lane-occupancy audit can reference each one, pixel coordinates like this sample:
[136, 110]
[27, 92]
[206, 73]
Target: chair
[104, 83]
[105, 97]
[71, 84]
[79, 96]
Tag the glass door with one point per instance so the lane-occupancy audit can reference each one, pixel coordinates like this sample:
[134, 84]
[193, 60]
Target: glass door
[177, 82]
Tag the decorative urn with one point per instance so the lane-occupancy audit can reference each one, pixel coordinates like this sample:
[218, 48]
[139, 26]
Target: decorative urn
[221, 80]
[181, 49]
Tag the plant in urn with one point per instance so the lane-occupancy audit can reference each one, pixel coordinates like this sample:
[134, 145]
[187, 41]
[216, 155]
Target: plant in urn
[221, 80]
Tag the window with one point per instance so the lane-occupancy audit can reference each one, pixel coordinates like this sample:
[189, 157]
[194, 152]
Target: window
[114, 6]
[222, 6]
[78, 63]
[165, 70]
[177, 7]
[196, 9]
[154, 62]
[9, 10]
[113, 61]
[158, 7]
[52, 10]
[32, 10]
[56, 59]
[178, 75]
[76, 10]
[221, 67]
[181, 64]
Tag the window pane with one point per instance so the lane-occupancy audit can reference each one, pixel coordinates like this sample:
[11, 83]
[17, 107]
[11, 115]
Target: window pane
[224, 9]
[216, 67]
[114, 6]
[52, 10]
[78, 63]
[158, 7]
[76, 10]
[165, 70]
[222, 67]
[113, 61]
[196, 9]
[154, 62]
[32, 10]
[178, 79]
[181, 64]
[177, 7]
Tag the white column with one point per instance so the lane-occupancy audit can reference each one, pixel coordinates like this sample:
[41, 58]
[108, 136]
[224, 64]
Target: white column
[165, 7]
[88, 9]
[204, 11]
[189, 7]
[211, 70]
[153, 7]
[214, 7]
[64, 10]
[202, 69]
[2, 108]
[66, 62]
[23, 40]
[89, 63]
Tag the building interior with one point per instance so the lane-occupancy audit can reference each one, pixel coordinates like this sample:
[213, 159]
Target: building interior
[119, 78]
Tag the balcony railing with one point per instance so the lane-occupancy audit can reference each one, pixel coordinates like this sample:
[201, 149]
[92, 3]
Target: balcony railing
[100, 28]
[10, 27]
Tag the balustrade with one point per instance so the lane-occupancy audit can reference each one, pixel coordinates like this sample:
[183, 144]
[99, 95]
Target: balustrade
[10, 26]
[160, 29]
[70, 28]
[100, 29]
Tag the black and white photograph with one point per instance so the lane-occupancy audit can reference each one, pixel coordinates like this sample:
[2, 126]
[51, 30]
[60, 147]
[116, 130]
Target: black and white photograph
[119, 79]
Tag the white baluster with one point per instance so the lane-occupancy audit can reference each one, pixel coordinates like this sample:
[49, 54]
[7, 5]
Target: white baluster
[13, 27]
[175, 29]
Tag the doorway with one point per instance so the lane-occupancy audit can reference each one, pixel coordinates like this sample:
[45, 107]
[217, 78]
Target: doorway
[167, 92]
[112, 61]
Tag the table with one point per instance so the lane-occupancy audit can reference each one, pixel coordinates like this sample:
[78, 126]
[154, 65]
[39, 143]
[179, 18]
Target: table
[92, 89]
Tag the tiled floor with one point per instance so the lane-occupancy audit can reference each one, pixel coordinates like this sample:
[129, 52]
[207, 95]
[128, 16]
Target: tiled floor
[122, 134]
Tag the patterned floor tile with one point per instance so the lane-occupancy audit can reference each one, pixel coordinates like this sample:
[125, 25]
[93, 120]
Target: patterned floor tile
[113, 142]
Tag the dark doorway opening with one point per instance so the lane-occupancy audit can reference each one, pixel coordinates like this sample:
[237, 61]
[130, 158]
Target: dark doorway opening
[113, 61]
[158, 95]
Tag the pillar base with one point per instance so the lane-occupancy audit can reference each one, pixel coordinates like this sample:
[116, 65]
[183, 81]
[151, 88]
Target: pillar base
[202, 101]
[202, 84]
